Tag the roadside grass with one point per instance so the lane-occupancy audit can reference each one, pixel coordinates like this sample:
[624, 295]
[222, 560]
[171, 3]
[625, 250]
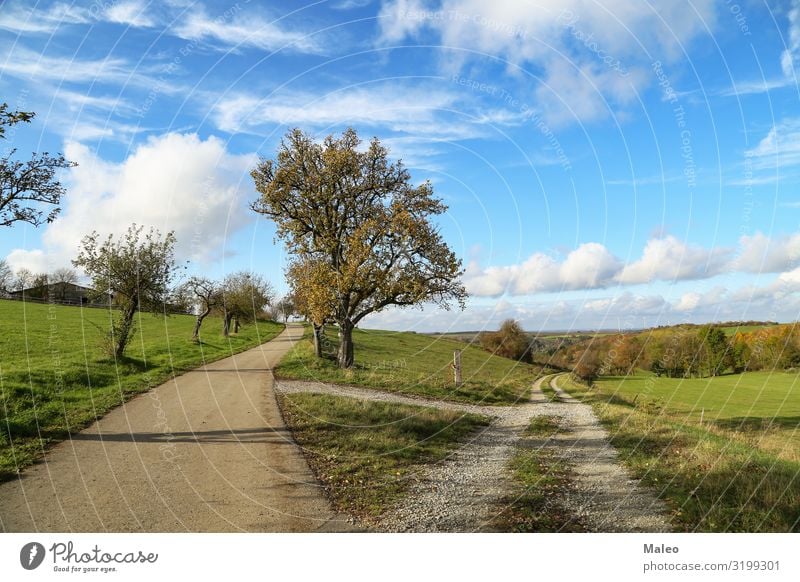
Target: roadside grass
[717, 476]
[540, 481]
[548, 390]
[544, 426]
[366, 454]
[417, 364]
[55, 378]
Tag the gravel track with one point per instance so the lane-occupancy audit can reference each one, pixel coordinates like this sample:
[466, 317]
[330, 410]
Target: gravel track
[461, 493]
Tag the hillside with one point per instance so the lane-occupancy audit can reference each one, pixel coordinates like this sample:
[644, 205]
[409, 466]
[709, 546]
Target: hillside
[415, 364]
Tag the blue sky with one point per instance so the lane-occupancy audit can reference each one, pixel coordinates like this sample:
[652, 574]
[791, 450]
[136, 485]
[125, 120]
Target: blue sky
[606, 163]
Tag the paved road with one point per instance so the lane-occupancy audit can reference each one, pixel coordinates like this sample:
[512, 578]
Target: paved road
[207, 452]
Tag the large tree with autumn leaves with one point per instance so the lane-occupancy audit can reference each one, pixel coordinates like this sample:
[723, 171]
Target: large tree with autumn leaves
[360, 234]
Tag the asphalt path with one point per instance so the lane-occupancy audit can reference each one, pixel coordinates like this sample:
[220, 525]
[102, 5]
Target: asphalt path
[205, 452]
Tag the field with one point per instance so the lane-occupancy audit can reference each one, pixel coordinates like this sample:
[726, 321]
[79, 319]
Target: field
[724, 451]
[55, 378]
[415, 364]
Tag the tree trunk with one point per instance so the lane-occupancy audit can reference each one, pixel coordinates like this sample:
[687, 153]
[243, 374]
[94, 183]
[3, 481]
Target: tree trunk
[236, 325]
[123, 331]
[226, 324]
[198, 322]
[345, 358]
[317, 339]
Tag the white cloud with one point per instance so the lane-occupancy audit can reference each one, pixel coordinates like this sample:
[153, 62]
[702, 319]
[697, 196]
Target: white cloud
[665, 258]
[790, 54]
[669, 259]
[239, 29]
[761, 254]
[17, 17]
[131, 13]
[426, 115]
[778, 149]
[174, 182]
[592, 54]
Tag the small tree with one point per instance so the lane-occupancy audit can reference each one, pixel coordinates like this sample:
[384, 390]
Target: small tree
[25, 186]
[135, 269]
[587, 368]
[62, 279]
[205, 294]
[244, 296]
[510, 341]
[356, 217]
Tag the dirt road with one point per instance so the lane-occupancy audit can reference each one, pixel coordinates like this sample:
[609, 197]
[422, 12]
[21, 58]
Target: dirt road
[207, 452]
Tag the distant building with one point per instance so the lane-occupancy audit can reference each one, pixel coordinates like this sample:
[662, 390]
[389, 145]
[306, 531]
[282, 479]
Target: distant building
[68, 293]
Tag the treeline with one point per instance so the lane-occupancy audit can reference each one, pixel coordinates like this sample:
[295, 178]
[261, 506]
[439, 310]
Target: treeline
[685, 352]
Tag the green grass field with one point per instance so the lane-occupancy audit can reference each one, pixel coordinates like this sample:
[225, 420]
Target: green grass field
[415, 364]
[724, 452]
[55, 378]
[365, 453]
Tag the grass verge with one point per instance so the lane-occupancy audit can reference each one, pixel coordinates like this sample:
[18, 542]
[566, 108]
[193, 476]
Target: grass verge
[715, 479]
[415, 364]
[55, 378]
[540, 481]
[366, 453]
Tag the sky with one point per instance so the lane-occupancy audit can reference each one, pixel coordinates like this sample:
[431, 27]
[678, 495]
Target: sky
[606, 164]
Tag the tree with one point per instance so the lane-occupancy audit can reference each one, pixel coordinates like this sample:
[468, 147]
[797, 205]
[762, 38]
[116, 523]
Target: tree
[25, 186]
[40, 287]
[715, 349]
[312, 287]
[6, 277]
[356, 217]
[205, 294]
[61, 279]
[243, 297]
[285, 308]
[587, 368]
[23, 278]
[510, 341]
[135, 269]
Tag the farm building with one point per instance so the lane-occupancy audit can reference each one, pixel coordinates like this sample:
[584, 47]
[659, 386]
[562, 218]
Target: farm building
[69, 293]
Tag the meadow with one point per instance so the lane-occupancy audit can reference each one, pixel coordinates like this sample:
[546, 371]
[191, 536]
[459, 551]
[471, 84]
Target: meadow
[416, 364]
[55, 377]
[724, 451]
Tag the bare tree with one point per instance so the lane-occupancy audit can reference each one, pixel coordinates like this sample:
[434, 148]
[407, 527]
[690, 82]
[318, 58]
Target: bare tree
[205, 294]
[6, 277]
[25, 187]
[61, 279]
[22, 279]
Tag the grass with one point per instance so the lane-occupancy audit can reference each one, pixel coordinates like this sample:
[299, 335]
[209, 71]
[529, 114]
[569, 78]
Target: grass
[543, 426]
[738, 470]
[548, 390]
[55, 378]
[367, 453]
[540, 481]
[415, 364]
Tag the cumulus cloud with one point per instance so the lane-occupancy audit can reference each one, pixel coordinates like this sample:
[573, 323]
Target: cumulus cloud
[593, 266]
[669, 259]
[174, 182]
[761, 254]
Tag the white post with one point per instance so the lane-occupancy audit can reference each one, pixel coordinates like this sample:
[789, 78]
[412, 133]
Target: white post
[457, 367]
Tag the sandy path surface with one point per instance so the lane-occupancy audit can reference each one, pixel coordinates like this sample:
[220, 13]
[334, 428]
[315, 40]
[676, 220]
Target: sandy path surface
[206, 452]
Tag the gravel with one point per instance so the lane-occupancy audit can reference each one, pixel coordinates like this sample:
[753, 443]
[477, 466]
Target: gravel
[461, 493]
